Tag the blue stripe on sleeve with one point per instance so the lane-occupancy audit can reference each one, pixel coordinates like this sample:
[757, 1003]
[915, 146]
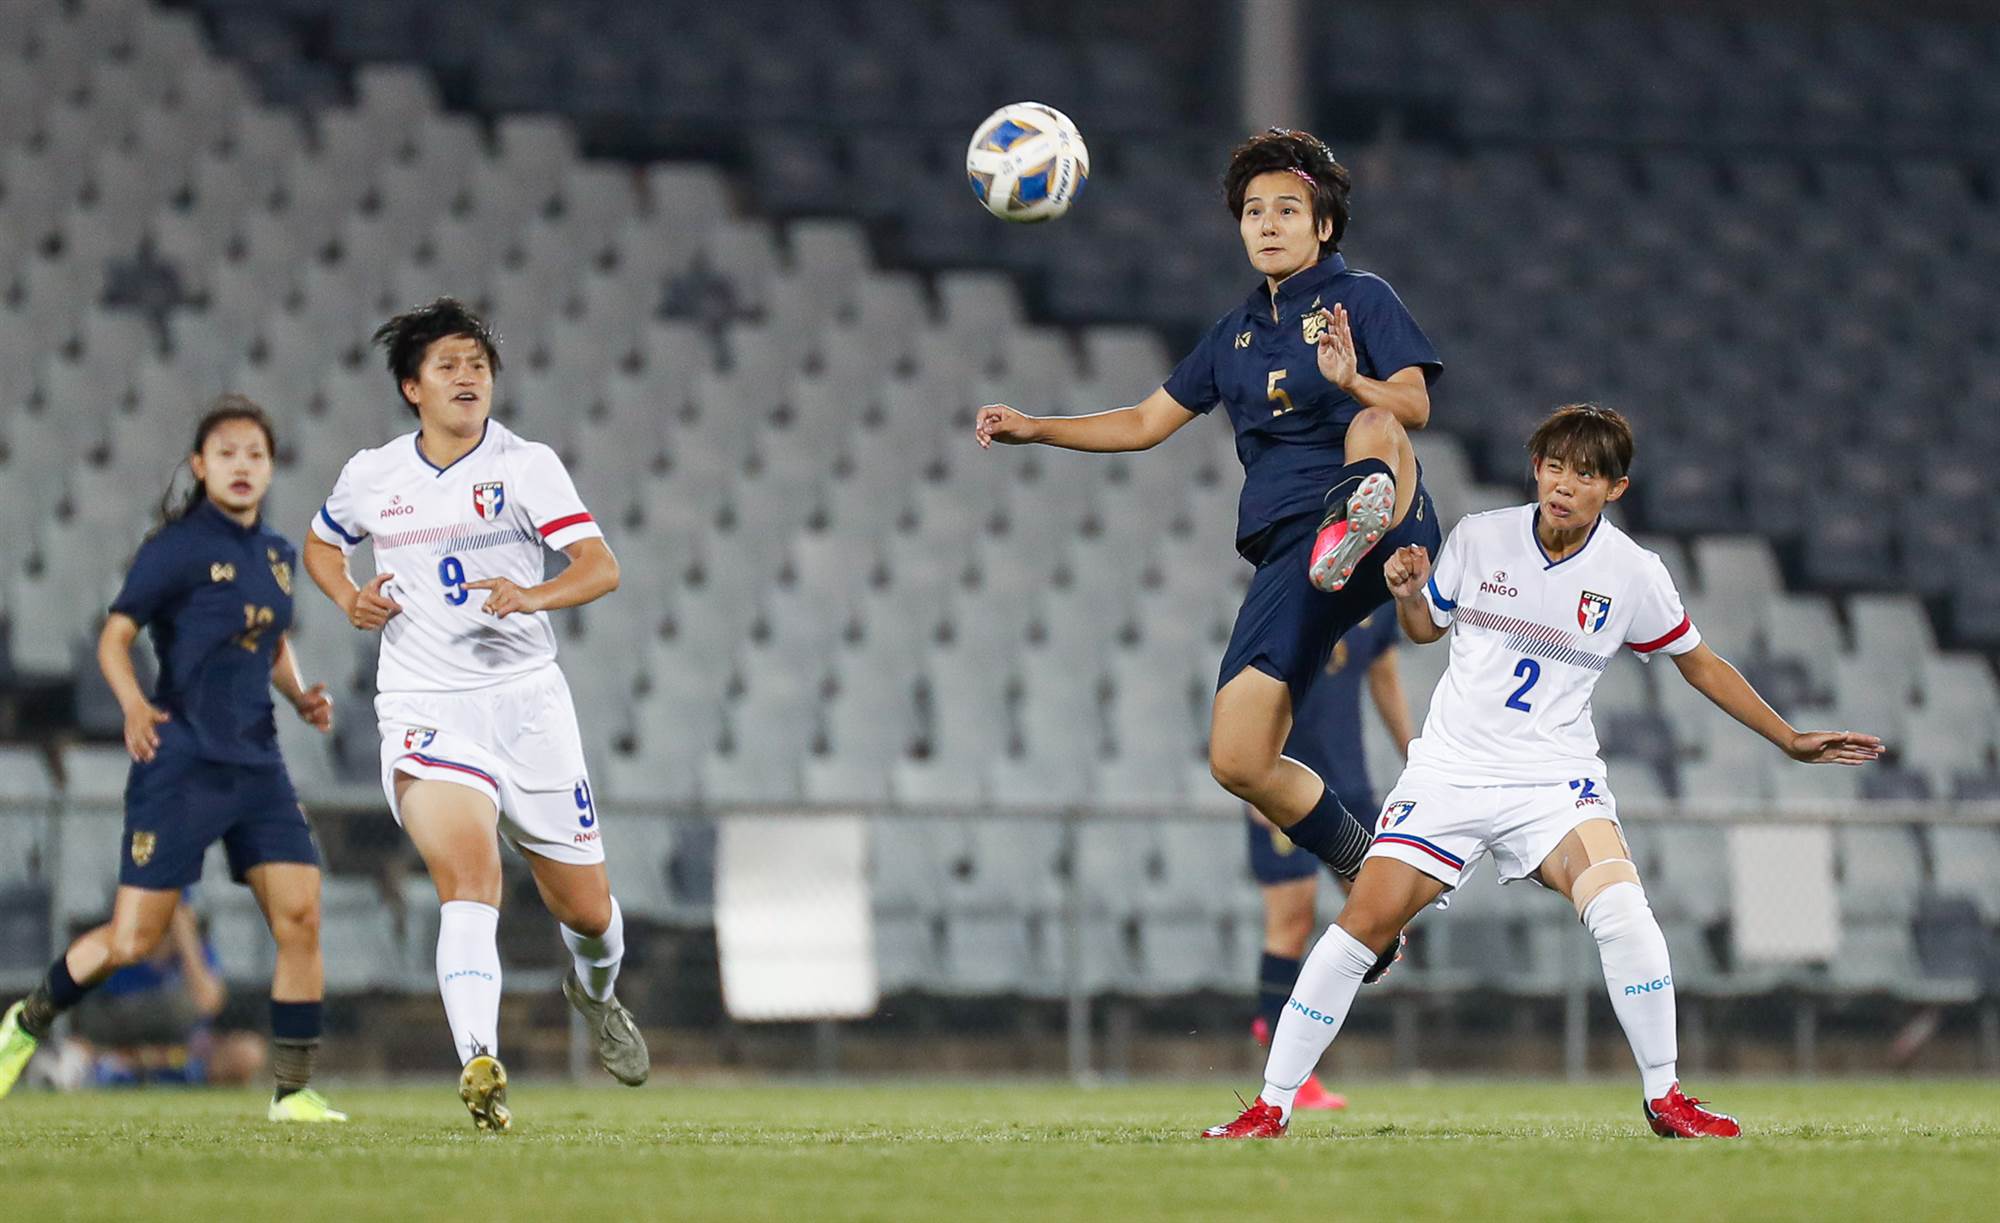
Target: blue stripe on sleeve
[1443, 604]
[337, 529]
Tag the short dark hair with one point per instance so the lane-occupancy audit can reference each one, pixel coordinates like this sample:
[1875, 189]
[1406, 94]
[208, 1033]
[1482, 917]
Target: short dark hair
[409, 335]
[1588, 436]
[1302, 153]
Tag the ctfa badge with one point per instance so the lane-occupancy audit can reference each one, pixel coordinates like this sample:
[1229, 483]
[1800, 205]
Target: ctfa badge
[143, 844]
[1592, 610]
[281, 569]
[488, 499]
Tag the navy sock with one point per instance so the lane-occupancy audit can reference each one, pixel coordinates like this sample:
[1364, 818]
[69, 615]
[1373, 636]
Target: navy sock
[297, 1022]
[1276, 974]
[1349, 477]
[295, 1030]
[1333, 834]
[57, 993]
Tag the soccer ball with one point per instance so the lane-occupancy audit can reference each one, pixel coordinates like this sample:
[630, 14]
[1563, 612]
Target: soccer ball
[1027, 163]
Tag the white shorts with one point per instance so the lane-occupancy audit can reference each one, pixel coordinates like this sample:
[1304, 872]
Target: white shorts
[1442, 828]
[517, 743]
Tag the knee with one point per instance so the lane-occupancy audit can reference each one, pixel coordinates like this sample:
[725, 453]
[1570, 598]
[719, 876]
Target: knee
[1373, 930]
[590, 919]
[296, 925]
[1238, 771]
[129, 947]
[1376, 430]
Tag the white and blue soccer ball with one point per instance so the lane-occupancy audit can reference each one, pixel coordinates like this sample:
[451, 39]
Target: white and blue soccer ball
[1027, 163]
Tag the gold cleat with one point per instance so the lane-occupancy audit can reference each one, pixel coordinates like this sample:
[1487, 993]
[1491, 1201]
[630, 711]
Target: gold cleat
[483, 1087]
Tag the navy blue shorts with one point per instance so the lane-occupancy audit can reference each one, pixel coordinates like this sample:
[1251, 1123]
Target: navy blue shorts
[177, 805]
[1287, 627]
[1273, 857]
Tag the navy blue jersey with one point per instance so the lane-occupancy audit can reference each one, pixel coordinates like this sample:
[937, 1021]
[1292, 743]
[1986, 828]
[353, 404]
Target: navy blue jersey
[1263, 365]
[1326, 726]
[217, 598]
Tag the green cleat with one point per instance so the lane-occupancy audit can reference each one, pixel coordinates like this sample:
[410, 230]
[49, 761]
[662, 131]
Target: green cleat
[303, 1105]
[16, 1047]
[620, 1047]
[483, 1087]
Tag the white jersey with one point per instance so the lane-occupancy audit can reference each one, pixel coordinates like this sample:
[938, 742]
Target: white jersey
[1529, 639]
[491, 514]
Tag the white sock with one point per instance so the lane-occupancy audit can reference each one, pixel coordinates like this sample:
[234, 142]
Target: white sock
[597, 959]
[468, 968]
[1640, 977]
[1312, 1017]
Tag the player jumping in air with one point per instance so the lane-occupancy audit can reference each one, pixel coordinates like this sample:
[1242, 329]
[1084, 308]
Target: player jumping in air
[1323, 373]
[1538, 600]
[478, 731]
[1326, 737]
[214, 586]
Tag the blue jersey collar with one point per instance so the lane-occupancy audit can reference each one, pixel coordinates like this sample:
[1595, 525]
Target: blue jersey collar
[417, 441]
[210, 514]
[1535, 534]
[1300, 285]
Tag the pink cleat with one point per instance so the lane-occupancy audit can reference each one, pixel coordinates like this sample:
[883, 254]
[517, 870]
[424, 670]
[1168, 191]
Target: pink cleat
[1348, 532]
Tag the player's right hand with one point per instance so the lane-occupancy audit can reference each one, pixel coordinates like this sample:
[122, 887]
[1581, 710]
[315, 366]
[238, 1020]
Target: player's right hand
[371, 608]
[142, 739]
[997, 422]
[1406, 570]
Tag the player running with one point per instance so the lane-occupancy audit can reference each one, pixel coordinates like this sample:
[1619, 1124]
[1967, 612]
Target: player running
[478, 731]
[214, 587]
[1323, 373]
[1326, 737]
[1541, 597]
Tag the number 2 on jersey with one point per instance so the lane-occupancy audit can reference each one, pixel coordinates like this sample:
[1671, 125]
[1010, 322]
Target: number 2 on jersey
[1527, 671]
[452, 574]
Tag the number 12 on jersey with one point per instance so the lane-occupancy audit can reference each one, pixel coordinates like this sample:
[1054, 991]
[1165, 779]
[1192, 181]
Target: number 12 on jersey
[1527, 671]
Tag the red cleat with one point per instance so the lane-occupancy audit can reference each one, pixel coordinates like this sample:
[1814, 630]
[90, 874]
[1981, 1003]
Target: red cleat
[1313, 1098]
[1677, 1116]
[1260, 1120]
[1260, 1032]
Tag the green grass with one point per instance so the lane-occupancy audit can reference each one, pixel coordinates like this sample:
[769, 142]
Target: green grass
[967, 1151]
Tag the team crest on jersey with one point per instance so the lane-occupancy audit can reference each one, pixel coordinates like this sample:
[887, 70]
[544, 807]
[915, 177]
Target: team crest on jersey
[1592, 610]
[1313, 325]
[1396, 813]
[417, 738]
[143, 844]
[489, 499]
[281, 569]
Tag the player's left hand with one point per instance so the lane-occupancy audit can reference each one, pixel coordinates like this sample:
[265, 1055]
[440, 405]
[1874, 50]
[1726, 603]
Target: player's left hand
[506, 598]
[1336, 349]
[315, 706]
[1834, 747]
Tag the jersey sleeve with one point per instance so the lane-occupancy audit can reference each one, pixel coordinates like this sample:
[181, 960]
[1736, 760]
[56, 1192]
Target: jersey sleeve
[1192, 384]
[156, 577]
[1447, 573]
[339, 519]
[1661, 624]
[552, 504]
[1387, 339]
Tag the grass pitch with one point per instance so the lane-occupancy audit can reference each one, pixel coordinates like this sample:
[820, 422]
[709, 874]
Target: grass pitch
[974, 1151]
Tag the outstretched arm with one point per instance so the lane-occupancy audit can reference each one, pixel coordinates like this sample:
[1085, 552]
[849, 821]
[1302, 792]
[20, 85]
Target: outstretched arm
[1713, 677]
[1142, 426]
